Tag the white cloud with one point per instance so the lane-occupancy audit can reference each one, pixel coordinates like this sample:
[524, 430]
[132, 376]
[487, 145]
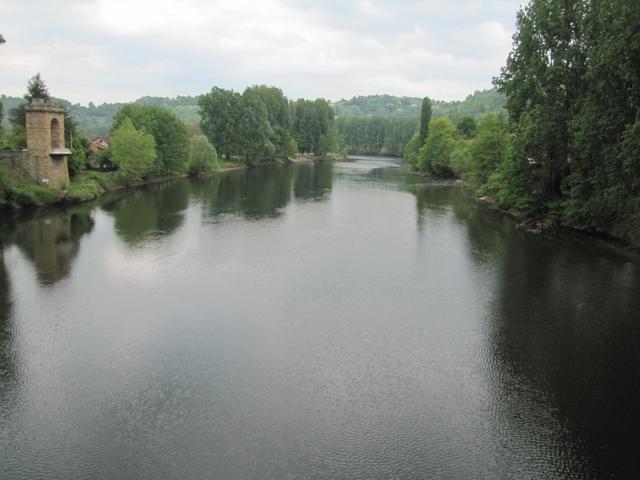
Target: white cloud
[108, 50]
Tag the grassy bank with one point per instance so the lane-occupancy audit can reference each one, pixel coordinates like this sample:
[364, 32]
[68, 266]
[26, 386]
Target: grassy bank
[17, 191]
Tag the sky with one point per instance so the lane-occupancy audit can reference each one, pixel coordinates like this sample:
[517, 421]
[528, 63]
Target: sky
[120, 50]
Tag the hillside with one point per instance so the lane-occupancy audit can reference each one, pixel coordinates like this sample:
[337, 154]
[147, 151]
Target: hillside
[96, 119]
[475, 105]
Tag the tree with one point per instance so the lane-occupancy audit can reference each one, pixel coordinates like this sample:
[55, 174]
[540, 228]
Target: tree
[202, 156]
[425, 119]
[134, 152]
[314, 119]
[1, 118]
[169, 132]
[488, 151]
[220, 112]
[80, 151]
[2, 40]
[544, 72]
[435, 155]
[36, 88]
[467, 127]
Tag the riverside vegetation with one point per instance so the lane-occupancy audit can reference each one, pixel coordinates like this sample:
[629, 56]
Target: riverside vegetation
[150, 142]
[567, 150]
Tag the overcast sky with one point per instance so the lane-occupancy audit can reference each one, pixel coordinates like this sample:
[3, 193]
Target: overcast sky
[119, 50]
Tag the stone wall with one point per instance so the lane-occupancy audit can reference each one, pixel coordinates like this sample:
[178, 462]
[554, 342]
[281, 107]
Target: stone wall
[18, 160]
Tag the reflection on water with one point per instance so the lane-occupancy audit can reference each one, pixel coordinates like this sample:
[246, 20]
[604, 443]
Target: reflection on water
[50, 241]
[346, 320]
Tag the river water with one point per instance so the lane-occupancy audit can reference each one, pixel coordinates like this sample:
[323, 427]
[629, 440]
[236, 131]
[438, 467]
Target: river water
[344, 320]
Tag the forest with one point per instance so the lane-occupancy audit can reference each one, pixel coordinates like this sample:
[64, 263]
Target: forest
[567, 151]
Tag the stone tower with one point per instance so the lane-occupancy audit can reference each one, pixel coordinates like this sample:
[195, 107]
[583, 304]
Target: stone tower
[46, 153]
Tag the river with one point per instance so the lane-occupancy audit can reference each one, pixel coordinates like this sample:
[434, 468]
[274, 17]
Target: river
[346, 320]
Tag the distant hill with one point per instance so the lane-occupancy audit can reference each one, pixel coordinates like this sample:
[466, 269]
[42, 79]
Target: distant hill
[96, 119]
[476, 105]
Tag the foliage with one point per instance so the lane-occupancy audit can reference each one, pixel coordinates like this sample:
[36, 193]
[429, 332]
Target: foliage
[490, 149]
[261, 124]
[411, 150]
[375, 135]
[169, 132]
[435, 155]
[80, 152]
[467, 127]
[202, 156]
[314, 119]
[573, 90]
[134, 152]
[36, 88]
[425, 119]
[476, 105]
[17, 139]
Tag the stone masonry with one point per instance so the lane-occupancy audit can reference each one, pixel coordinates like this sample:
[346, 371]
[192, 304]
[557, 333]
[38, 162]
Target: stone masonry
[45, 159]
[47, 155]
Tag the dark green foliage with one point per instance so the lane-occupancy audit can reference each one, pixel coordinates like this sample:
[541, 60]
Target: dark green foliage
[169, 132]
[36, 88]
[375, 135]
[17, 138]
[278, 116]
[467, 127]
[80, 151]
[425, 119]
[313, 120]
[254, 125]
[1, 128]
[220, 111]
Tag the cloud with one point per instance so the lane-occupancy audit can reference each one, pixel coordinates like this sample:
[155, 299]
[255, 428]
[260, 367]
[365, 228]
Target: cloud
[118, 50]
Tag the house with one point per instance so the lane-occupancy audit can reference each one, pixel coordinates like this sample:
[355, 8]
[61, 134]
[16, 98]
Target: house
[99, 144]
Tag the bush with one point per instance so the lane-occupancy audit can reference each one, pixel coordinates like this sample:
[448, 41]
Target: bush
[134, 152]
[202, 156]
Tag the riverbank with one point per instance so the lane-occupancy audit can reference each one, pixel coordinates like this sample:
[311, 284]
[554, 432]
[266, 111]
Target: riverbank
[552, 226]
[17, 192]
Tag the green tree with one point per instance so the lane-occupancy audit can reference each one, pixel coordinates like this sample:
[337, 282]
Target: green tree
[169, 132]
[220, 112]
[411, 150]
[425, 119]
[435, 155]
[1, 118]
[488, 151]
[544, 72]
[467, 127]
[80, 151]
[202, 155]
[134, 152]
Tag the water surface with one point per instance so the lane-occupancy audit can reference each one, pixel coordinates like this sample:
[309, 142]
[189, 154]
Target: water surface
[344, 320]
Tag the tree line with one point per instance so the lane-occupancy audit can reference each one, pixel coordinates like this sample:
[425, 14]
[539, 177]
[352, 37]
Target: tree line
[262, 124]
[375, 135]
[568, 148]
